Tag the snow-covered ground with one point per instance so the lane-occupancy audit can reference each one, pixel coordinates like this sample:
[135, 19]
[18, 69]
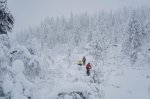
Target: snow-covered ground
[45, 66]
[62, 78]
[128, 83]
[119, 82]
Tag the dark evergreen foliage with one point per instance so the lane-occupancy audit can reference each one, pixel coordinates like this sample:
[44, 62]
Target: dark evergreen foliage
[6, 20]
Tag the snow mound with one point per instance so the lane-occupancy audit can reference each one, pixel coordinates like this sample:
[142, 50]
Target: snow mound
[7, 84]
[66, 89]
[18, 66]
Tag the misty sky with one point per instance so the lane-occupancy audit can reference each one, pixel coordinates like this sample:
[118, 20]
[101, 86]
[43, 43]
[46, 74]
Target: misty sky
[28, 13]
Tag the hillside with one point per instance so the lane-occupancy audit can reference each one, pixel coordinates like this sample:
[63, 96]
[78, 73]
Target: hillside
[41, 62]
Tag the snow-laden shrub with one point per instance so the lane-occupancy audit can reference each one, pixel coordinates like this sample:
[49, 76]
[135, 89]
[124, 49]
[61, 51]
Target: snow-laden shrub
[15, 84]
[97, 76]
[64, 90]
[98, 50]
[33, 46]
[32, 65]
[4, 40]
[1, 90]
[4, 46]
[8, 83]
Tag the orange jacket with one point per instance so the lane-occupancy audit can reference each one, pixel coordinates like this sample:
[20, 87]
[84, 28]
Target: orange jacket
[88, 66]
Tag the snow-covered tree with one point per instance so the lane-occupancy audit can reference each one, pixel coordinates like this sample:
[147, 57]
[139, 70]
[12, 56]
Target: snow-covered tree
[6, 24]
[32, 65]
[135, 32]
[16, 85]
[6, 20]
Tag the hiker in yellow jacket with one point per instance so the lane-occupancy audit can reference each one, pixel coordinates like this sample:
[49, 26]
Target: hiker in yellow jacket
[80, 62]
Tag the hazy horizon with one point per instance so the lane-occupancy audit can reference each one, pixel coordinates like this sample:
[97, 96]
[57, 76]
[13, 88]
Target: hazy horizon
[30, 13]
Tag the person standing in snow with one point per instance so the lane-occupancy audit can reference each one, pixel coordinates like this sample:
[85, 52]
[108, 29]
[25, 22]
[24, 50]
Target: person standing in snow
[84, 60]
[80, 63]
[88, 67]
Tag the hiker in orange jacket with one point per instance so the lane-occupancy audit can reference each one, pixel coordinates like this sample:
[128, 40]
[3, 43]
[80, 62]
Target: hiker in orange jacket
[88, 67]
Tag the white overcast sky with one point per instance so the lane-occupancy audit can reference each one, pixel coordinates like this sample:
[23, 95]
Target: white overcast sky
[28, 13]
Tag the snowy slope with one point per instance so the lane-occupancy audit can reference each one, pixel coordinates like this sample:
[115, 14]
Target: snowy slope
[119, 81]
[129, 83]
[45, 67]
[61, 77]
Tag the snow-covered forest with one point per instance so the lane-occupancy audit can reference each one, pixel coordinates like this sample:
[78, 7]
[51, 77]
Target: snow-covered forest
[41, 62]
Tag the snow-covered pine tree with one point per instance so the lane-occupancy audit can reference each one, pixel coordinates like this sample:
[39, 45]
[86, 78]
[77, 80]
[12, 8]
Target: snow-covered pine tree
[6, 25]
[135, 35]
[6, 19]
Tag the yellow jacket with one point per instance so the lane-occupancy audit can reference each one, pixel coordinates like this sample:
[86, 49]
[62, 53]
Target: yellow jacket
[80, 62]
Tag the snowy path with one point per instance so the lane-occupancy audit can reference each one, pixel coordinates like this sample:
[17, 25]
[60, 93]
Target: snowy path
[131, 83]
